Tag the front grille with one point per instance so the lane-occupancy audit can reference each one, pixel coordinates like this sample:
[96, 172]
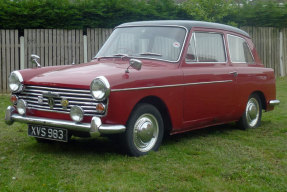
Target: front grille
[80, 97]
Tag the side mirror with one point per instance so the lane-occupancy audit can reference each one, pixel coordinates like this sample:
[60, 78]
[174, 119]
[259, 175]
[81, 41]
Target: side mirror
[136, 64]
[35, 60]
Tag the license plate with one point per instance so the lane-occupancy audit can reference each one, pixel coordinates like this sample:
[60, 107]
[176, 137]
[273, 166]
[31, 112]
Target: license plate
[51, 133]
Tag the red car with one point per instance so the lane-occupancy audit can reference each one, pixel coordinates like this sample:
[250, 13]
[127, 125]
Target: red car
[149, 78]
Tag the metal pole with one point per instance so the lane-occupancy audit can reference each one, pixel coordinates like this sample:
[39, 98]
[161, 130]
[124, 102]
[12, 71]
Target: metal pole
[282, 72]
[85, 49]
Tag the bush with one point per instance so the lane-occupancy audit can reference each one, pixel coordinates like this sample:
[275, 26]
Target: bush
[81, 14]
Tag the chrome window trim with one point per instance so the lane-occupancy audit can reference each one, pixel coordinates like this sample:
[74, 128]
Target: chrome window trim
[247, 46]
[172, 85]
[224, 44]
[177, 26]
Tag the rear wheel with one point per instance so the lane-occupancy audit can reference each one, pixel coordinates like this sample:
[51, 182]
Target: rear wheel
[144, 130]
[251, 117]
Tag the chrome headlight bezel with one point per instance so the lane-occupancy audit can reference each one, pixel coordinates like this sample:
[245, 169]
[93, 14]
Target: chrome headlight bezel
[100, 88]
[16, 84]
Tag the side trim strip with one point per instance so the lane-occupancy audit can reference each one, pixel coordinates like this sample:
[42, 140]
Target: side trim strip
[174, 85]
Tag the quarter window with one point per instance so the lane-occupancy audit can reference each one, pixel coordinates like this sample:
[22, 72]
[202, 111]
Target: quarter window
[239, 50]
[206, 47]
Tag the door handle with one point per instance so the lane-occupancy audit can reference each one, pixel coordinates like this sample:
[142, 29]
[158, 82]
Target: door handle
[234, 73]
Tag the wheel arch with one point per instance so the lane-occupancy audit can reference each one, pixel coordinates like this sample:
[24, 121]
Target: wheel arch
[162, 107]
[262, 98]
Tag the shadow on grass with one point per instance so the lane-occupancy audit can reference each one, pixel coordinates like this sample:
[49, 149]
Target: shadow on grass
[104, 146]
[77, 147]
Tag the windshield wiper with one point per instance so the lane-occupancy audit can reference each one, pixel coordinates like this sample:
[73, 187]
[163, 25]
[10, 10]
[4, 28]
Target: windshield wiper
[150, 54]
[122, 55]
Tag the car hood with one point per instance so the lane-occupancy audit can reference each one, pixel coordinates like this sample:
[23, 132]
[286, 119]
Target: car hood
[80, 76]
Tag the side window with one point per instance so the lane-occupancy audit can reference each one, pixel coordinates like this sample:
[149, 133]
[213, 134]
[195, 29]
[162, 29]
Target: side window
[239, 50]
[206, 47]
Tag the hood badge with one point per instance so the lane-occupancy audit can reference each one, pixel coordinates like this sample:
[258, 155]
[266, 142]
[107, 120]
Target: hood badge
[51, 102]
[51, 98]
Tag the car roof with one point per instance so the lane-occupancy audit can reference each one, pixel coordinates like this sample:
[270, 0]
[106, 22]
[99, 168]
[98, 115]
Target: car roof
[187, 24]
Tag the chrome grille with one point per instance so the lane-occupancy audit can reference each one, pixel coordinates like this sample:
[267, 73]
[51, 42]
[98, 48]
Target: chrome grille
[80, 97]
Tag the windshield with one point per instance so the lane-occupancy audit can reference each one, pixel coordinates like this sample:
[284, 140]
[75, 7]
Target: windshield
[163, 43]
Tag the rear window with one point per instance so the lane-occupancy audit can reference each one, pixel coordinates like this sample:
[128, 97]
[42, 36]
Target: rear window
[239, 50]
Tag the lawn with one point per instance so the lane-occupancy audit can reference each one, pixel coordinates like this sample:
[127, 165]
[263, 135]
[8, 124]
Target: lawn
[220, 158]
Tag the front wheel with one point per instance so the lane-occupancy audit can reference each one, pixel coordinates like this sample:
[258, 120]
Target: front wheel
[251, 117]
[144, 130]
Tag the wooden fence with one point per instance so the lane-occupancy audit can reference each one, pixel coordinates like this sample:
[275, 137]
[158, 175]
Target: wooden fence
[60, 47]
[9, 56]
[268, 43]
[54, 46]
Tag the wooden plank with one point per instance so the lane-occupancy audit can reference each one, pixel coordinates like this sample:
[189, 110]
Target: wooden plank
[46, 47]
[34, 38]
[12, 49]
[29, 48]
[38, 43]
[77, 47]
[42, 47]
[66, 47]
[81, 48]
[17, 51]
[103, 37]
[97, 46]
[74, 46]
[50, 46]
[58, 47]
[93, 45]
[8, 57]
[62, 47]
[54, 47]
[89, 43]
[25, 48]
[4, 71]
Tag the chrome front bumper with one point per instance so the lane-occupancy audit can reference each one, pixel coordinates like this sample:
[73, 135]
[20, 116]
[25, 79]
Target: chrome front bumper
[95, 126]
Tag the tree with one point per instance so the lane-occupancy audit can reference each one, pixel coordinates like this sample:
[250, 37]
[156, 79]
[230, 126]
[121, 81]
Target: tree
[207, 10]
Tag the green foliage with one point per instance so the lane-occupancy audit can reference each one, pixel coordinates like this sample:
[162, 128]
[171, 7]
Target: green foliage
[79, 14]
[259, 13]
[207, 10]
[20, 14]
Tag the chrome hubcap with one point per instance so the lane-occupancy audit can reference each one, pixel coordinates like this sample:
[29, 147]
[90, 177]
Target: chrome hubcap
[145, 132]
[252, 112]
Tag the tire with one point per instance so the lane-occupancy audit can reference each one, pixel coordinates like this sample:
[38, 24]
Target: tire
[251, 117]
[144, 132]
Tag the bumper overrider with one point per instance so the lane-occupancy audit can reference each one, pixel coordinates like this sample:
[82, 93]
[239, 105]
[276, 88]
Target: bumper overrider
[95, 126]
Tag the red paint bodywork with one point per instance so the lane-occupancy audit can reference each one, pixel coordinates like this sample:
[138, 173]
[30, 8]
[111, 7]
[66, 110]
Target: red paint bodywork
[189, 107]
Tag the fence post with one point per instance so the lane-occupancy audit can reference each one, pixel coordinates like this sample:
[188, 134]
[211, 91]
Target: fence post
[22, 53]
[282, 72]
[85, 49]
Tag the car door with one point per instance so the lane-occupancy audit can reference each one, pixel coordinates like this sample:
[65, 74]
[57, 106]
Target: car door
[209, 91]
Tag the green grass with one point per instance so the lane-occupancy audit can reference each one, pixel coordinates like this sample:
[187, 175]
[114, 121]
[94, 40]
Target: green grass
[220, 158]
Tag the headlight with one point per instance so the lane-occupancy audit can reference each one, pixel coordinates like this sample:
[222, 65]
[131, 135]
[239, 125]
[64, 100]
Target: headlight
[100, 88]
[21, 107]
[15, 81]
[77, 113]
